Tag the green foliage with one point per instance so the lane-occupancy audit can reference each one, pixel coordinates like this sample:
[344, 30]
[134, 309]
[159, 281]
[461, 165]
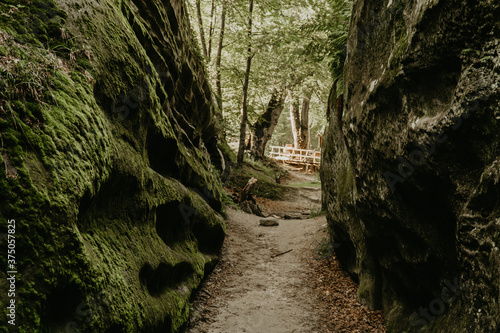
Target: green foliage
[316, 211]
[309, 184]
[279, 60]
[325, 249]
[265, 172]
[328, 33]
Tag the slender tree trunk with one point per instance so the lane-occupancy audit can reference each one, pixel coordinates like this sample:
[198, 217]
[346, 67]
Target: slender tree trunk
[211, 31]
[202, 31]
[264, 126]
[244, 102]
[295, 119]
[304, 122]
[248, 141]
[219, 53]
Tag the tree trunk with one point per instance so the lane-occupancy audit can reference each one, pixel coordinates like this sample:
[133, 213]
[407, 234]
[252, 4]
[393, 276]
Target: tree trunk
[246, 192]
[248, 141]
[264, 126]
[200, 26]
[211, 31]
[244, 102]
[246, 201]
[295, 119]
[304, 122]
[219, 53]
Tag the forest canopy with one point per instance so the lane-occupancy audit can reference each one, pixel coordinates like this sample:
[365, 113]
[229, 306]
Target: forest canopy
[296, 51]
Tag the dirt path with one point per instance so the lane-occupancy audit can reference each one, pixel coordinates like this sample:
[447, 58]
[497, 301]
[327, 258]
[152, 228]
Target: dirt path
[253, 290]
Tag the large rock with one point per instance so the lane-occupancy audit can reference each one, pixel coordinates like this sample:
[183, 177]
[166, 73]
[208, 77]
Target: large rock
[110, 146]
[411, 168]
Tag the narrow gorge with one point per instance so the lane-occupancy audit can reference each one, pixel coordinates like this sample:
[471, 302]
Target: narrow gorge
[113, 196]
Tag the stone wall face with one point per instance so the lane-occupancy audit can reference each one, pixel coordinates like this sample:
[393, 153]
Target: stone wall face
[411, 171]
[110, 143]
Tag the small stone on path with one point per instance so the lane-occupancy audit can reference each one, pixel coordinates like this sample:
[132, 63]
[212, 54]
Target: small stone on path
[269, 222]
[293, 216]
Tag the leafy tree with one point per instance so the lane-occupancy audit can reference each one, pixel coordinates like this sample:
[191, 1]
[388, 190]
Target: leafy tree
[244, 101]
[263, 128]
[328, 37]
[297, 48]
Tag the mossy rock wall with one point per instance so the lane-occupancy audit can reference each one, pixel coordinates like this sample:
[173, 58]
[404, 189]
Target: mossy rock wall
[109, 140]
[410, 171]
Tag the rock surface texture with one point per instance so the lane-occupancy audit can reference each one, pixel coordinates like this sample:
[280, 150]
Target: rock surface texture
[411, 168]
[111, 152]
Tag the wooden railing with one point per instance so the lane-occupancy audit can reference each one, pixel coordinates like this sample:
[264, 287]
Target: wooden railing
[295, 156]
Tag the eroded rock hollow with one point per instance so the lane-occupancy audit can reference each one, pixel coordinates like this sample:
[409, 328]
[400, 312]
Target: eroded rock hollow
[411, 168]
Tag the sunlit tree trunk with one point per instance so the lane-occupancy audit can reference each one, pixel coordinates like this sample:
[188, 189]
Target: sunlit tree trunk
[211, 30]
[304, 123]
[202, 31]
[299, 120]
[263, 128]
[295, 119]
[244, 102]
[219, 53]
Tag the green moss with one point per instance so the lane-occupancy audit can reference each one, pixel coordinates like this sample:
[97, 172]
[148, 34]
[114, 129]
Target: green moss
[86, 197]
[398, 50]
[345, 182]
[35, 22]
[266, 186]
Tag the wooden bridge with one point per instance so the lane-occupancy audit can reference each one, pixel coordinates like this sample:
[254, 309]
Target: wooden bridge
[300, 157]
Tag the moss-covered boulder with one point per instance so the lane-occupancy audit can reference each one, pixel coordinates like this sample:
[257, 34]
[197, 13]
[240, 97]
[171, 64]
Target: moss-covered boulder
[110, 163]
[410, 169]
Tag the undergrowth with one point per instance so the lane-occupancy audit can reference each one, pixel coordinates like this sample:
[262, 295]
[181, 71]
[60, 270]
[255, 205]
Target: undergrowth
[325, 249]
[307, 184]
[266, 171]
[315, 212]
